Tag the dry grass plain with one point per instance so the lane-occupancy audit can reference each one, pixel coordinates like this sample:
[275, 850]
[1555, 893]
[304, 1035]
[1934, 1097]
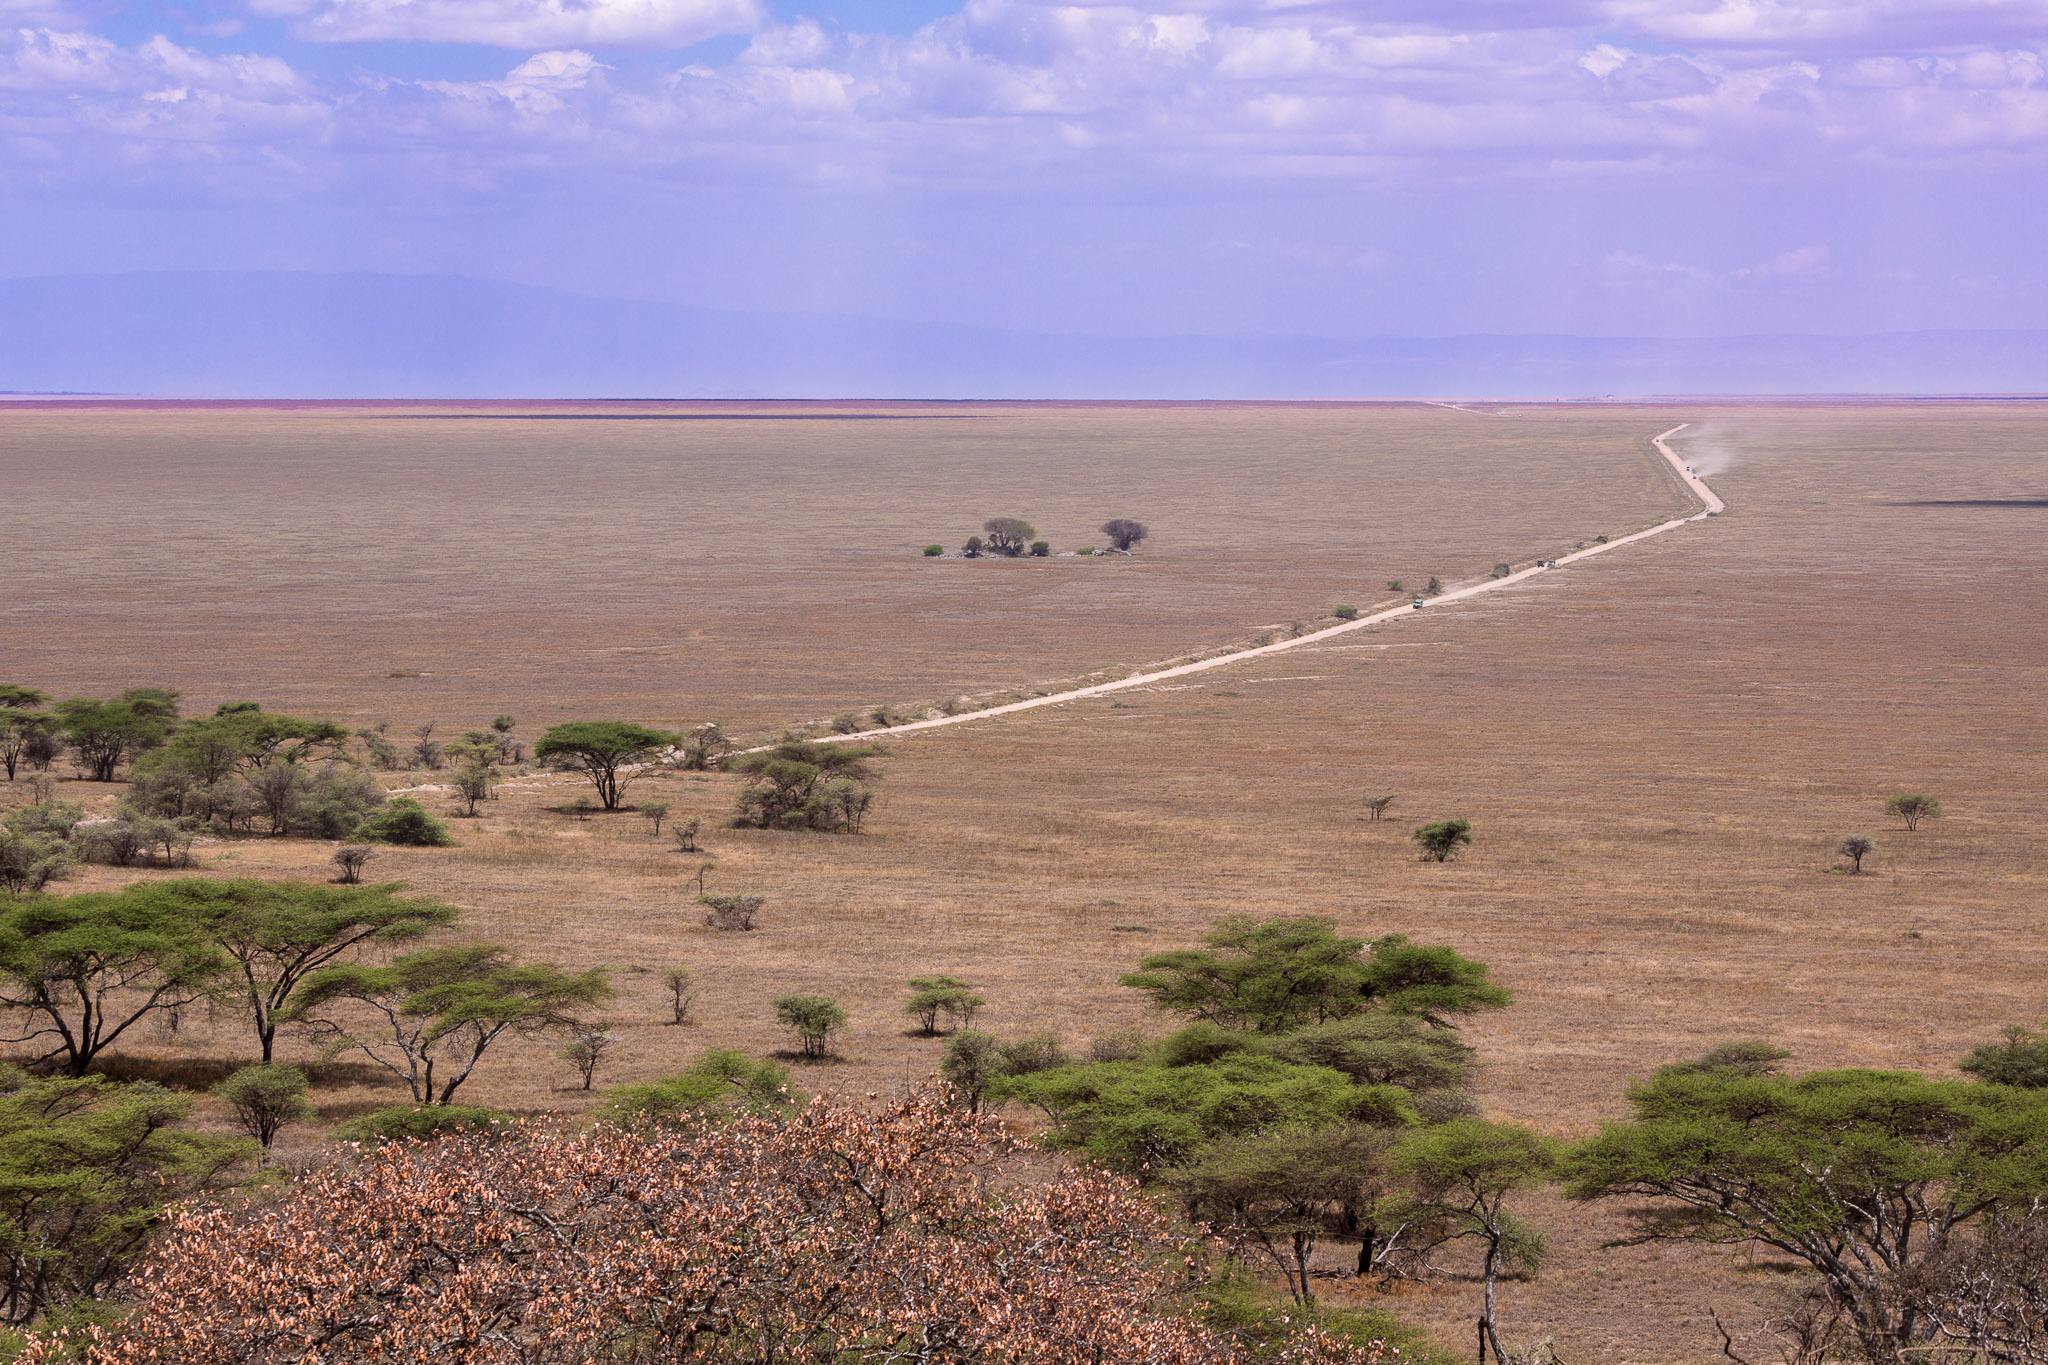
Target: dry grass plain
[1658, 748]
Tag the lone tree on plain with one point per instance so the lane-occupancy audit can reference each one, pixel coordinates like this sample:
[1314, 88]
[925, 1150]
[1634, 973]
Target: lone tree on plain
[350, 859]
[586, 1048]
[1913, 807]
[1124, 534]
[1856, 847]
[1440, 839]
[681, 984]
[605, 749]
[813, 1019]
[1008, 535]
[1376, 807]
[655, 812]
[932, 996]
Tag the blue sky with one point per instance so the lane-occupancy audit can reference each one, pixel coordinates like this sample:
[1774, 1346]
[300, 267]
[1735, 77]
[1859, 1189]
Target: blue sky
[1289, 167]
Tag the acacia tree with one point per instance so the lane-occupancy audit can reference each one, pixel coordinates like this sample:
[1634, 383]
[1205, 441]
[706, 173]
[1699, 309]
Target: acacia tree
[87, 1169]
[1376, 807]
[806, 784]
[607, 750]
[832, 1236]
[1912, 808]
[1464, 1172]
[21, 731]
[1859, 1174]
[813, 1019]
[1440, 839]
[82, 970]
[1273, 976]
[1282, 1191]
[104, 734]
[1123, 533]
[1007, 535]
[276, 934]
[15, 697]
[442, 1003]
[1856, 847]
[931, 996]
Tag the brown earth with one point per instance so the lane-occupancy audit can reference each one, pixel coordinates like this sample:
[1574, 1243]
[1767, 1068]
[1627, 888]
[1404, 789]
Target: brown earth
[1658, 751]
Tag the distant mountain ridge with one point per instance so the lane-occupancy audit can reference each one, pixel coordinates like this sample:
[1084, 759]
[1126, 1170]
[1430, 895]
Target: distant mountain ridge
[257, 334]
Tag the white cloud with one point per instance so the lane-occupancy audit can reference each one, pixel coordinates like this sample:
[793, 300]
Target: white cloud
[1007, 89]
[518, 23]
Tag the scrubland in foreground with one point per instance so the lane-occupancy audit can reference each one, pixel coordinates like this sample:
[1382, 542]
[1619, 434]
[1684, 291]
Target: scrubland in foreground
[1658, 751]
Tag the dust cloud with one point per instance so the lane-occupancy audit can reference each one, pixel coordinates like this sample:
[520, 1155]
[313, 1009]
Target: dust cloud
[1709, 447]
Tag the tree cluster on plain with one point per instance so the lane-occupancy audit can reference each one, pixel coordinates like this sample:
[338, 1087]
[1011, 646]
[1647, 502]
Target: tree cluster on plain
[1015, 538]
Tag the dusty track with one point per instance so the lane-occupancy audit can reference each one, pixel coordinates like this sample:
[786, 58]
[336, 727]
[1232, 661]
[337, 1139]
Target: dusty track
[1710, 505]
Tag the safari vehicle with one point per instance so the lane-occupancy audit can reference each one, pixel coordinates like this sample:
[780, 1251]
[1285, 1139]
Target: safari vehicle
[1418, 604]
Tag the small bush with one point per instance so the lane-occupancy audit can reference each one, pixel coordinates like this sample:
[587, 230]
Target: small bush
[932, 996]
[1441, 839]
[586, 1049]
[350, 859]
[972, 549]
[1041, 548]
[1085, 550]
[1346, 613]
[972, 1063]
[681, 984]
[1032, 1053]
[720, 1085]
[813, 1019]
[1435, 587]
[266, 1099]
[1912, 808]
[1502, 570]
[405, 821]
[1119, 1045]
[733, 913]
[654, 812]
[934, 551]
[1394, 585]
[1599, 540]
[420, 1123]
[845, 723]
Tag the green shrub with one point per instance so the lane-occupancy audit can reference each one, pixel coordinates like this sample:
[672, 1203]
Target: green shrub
[1502, 570]
[1041, 548]
[1599, 540]
[405, 821]
[934, 551]
[1085, 550]
[1346, 613]
[266, 1099]
[722, 1084]
[813, 1019]
[1434, 588]
[419, 1122]
[1440, 839]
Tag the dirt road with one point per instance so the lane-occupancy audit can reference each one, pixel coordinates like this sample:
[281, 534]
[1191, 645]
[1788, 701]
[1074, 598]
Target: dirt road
[1711, 505]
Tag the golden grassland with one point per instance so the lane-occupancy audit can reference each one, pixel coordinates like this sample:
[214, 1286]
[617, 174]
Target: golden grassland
[1658, 750]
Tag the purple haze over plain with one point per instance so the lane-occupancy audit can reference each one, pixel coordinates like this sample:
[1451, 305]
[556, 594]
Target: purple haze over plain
[1284, 168]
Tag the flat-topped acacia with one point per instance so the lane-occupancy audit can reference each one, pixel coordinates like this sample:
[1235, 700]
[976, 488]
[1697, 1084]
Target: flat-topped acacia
[605, 749]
